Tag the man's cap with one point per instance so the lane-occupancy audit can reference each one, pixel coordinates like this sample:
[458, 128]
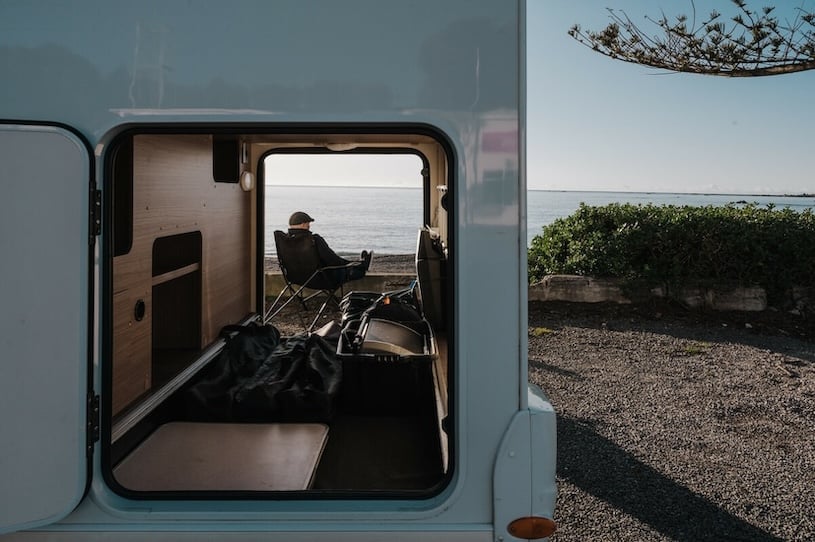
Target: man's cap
[299, 218]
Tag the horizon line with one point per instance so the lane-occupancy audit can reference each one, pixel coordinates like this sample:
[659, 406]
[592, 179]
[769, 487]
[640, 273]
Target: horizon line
[341, 186]
[744, 194]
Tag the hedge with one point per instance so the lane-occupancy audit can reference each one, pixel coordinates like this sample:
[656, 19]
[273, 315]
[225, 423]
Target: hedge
[677, 246]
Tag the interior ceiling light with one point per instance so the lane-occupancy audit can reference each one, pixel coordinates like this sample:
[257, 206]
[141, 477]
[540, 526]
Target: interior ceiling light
[339, 147]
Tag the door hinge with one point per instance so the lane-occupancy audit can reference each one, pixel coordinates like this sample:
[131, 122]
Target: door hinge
[93, 421]
[96, 213]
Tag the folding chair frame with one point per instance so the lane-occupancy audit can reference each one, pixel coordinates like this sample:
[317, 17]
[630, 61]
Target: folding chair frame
[329, 293]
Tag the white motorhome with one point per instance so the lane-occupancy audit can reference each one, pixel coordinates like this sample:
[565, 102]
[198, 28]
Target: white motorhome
[134, 147]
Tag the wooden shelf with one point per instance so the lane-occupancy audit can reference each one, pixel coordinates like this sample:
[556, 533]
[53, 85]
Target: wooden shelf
[175, 273]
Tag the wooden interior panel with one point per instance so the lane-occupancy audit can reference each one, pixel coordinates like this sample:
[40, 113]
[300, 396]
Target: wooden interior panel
[131, 347]
[174, 193]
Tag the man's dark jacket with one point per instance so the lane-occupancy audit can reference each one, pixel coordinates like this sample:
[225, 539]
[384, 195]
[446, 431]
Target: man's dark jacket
[327, 256]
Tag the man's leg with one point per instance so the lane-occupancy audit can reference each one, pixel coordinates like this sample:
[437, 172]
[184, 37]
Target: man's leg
[365, 258]
[356, 271]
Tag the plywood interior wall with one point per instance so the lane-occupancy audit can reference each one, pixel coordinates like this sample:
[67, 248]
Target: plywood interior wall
[173, 193]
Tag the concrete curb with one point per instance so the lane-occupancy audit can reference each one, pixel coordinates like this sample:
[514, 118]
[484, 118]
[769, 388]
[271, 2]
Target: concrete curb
[577, 289]
[580, 289]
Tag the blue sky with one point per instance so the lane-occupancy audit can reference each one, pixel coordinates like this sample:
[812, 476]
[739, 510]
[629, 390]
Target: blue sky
[599, 124]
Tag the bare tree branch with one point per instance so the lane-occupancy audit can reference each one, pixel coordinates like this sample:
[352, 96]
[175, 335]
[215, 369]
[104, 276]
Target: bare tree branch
[750, 44]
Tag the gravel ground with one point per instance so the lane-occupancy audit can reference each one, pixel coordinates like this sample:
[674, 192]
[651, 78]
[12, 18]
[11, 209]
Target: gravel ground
[678, 426]
[673, 424]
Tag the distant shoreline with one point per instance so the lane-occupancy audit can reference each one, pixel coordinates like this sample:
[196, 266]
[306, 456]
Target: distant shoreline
[647, 192]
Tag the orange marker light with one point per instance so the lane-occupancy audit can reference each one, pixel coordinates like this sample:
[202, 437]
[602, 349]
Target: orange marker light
[532, 528]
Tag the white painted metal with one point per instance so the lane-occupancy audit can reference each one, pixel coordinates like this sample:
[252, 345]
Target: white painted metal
[45, 176]
[102, 66]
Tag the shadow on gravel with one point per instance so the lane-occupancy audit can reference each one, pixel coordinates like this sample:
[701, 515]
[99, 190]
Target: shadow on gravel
[554, 369]
[601, 468]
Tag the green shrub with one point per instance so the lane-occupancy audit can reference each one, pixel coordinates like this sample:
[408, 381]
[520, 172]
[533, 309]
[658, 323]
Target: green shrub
[744, 245]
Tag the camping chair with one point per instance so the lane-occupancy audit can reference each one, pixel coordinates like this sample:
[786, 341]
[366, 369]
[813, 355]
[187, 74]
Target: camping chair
[300, 263]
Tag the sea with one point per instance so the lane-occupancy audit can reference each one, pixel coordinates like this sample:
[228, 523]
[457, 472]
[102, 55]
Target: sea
[386, 219]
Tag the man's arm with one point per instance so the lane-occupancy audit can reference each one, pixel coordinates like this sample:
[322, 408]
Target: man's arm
[328, 256]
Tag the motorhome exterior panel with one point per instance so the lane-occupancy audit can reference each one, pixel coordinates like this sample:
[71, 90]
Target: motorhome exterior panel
[109, 63]
[44, 232]
[150, 85]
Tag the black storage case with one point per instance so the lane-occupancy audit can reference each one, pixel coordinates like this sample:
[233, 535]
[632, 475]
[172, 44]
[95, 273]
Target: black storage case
[389, 371]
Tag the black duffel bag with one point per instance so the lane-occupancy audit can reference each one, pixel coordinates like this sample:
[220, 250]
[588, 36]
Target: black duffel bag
[260, 377]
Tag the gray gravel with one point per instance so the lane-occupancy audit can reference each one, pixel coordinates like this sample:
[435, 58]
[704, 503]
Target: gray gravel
[677, 429]
[674, 425]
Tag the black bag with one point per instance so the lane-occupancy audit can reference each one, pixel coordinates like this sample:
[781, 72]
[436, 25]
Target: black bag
[210, 398]
[297, 382]
[259, 377]
[397, 306]
[353, 304]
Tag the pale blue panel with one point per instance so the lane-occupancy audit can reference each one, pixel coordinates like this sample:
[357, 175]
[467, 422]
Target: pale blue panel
[44, 175]
[84, 65]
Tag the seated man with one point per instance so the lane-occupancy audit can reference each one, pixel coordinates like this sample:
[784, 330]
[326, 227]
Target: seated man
[300, 224]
